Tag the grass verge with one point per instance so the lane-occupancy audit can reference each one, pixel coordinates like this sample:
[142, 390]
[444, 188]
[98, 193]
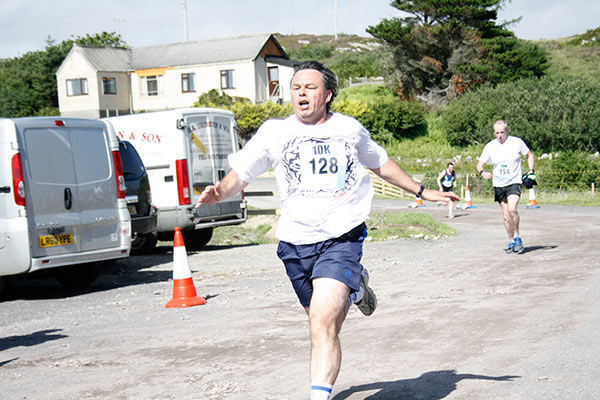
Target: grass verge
[381, 226]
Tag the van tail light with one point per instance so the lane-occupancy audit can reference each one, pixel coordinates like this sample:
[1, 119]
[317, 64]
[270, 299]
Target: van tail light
[18, 182]
[119, 175]
[183, 183]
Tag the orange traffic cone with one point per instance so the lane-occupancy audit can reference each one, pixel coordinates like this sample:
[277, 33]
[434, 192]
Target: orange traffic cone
[532, 200]
[468, 201]
[184, 292]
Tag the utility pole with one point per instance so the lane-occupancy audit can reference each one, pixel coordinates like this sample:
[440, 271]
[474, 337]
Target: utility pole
[336, 19]
[185, 28]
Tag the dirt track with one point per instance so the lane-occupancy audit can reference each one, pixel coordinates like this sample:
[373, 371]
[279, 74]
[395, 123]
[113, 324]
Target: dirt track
[457, 319]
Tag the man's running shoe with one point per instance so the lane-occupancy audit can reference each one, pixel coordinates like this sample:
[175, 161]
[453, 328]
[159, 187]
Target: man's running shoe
[369, 301]
[518, 245]
[510, 248]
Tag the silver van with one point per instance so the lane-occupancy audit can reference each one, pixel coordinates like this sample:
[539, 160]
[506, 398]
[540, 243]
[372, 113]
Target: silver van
[62, 197]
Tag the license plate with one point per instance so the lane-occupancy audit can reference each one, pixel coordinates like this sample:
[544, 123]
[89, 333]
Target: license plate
[199, 189]
[132, 210]
[56, 240]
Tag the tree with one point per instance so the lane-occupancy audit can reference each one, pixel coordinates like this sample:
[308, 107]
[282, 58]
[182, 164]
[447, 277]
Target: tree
[28, 83]
[445, 47]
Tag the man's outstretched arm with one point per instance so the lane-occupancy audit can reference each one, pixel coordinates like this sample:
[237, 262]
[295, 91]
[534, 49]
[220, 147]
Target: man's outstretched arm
[395, 175]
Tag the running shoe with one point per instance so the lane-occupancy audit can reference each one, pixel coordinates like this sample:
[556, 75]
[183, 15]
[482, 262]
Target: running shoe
[369, 301]
[510, 248]
[518, 248]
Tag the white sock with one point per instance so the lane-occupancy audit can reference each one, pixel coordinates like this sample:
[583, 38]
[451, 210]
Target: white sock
[320, 391]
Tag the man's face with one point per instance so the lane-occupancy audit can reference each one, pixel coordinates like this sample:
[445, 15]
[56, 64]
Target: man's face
[500, 132]
[309, 96]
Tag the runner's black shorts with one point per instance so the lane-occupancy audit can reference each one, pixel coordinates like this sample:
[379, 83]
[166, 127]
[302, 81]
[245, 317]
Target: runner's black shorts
[502, 193]
[447, 189]
[337, 258]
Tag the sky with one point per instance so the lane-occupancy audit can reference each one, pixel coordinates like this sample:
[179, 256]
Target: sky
[26, 25]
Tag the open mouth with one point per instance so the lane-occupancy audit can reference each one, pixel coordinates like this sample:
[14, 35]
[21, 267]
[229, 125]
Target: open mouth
[303, 103]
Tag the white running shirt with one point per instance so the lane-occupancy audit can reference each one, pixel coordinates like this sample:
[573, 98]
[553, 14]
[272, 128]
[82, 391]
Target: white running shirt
[324, 188]
[506, 158]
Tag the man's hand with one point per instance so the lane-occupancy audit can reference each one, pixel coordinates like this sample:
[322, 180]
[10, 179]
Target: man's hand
[210, 195]
[486, 175]
[434, 195]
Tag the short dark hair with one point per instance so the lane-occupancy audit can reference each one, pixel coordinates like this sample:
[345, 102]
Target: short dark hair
[329, 77]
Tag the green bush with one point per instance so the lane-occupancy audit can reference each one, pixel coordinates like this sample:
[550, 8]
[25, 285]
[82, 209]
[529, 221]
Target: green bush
[572, 170]
[395, 119]
[354, 65]
[384, 114]
[550, 114]
[250, 116]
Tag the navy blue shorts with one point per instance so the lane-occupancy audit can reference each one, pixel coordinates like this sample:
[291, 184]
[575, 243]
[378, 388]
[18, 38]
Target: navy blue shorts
[337, 258]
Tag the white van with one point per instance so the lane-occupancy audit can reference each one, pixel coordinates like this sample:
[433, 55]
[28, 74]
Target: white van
[184, 150]
[62, 197]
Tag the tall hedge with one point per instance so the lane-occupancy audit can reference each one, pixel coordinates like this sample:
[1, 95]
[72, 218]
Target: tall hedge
[555, 113]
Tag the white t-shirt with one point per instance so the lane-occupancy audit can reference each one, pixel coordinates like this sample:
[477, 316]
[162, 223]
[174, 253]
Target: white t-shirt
[324, 188]
[506, 158]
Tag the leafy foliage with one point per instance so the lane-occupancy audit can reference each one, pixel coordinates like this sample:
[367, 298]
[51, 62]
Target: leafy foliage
[28, 83]
[351, 65]
[447, 46]
[249, 116]
[385, 115]
[572, 170]
[550, 114]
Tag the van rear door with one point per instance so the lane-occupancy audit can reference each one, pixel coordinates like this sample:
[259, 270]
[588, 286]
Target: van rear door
[71, 190]
[213, 138]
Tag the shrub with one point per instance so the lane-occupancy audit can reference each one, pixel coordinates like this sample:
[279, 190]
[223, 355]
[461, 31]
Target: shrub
[572, 170]
[395, 118]
[250, 116]
[550, 114]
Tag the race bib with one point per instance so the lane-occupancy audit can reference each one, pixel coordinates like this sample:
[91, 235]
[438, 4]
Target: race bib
[323, 166]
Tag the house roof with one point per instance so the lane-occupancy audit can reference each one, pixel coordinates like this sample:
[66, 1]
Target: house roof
[181, 54]
[107, 59]
[203, 52]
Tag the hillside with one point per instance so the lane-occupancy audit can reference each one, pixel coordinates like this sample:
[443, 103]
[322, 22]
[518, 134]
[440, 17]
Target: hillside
[576, 55]
[344, 42]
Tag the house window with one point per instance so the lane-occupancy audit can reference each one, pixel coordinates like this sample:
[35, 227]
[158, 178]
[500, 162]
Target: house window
[150, 85]
[227, 79]
[109, 85]
[187, 83]
[77, 87]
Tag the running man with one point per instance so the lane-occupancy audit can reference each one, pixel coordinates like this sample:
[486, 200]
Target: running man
[319, 159]
[446, 182]
[505, 153]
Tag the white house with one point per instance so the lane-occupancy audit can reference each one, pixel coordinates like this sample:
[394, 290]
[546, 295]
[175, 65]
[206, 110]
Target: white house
[97, 82]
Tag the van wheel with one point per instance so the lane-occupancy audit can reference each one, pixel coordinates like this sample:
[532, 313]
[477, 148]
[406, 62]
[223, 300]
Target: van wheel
[143, 243]
[78, 276]
[198, 237]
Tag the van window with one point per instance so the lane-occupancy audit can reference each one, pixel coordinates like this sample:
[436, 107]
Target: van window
[92, 162]
[133, 167]
[49, 155]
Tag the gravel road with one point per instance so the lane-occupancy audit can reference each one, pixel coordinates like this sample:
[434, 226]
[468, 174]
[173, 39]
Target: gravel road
[457, 319]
